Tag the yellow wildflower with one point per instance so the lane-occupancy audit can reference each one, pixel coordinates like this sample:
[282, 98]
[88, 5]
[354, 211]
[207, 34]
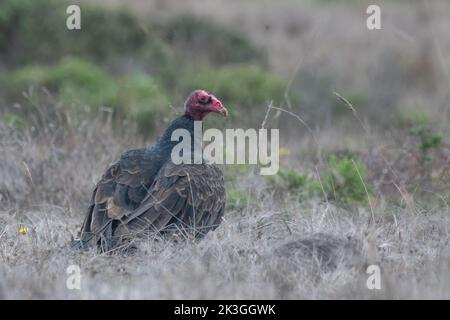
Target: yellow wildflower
[23, 230]
[283, 151]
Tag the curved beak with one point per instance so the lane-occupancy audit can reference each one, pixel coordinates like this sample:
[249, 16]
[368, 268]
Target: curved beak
[224, 111]
[218, 106]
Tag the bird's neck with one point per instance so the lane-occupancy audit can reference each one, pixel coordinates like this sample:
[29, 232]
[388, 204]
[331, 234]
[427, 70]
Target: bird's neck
[184, 122]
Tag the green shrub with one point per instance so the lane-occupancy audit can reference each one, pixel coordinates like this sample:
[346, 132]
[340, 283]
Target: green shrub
[12, 120]
[410, 119]
[340, 182]
[428, 140]
[200, 40]
[295, 183]
[78, 84]
[289, 179]
[142, 99]
[82, 83]
[107, 36]
[13, 84]
[116, 39]
[236, 199]
[37, 53]
[239, 86]
[419, 125]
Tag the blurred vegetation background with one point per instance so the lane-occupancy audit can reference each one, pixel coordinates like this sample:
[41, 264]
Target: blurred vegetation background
[130, 65]
[133, 62]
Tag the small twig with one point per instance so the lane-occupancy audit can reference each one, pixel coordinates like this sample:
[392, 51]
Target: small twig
[365, 189]
[27, 169]
[306, 126]
[286, 225]
[345, 101]
[366, 131]
[263, 124]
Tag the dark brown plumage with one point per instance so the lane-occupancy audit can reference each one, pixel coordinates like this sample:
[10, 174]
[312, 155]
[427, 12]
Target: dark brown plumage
[144, 193]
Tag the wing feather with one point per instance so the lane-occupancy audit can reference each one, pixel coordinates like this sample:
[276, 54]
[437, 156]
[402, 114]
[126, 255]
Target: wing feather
[189, 197]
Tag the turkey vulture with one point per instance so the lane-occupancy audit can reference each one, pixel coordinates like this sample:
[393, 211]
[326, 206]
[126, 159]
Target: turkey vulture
[144, 192]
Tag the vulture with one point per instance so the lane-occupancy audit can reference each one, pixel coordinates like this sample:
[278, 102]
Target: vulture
[145, 192]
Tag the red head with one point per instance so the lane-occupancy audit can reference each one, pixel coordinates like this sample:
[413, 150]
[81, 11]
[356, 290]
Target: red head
[200, 103]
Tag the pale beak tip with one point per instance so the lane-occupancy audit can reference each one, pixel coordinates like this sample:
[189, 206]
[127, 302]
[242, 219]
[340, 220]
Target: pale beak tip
[224, 112]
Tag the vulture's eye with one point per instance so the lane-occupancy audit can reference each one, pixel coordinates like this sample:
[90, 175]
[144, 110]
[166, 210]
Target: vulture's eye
[204, 99]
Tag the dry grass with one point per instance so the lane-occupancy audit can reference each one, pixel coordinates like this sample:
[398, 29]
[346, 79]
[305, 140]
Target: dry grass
[269, 249]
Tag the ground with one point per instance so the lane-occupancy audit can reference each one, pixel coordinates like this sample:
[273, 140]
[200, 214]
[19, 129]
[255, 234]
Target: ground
[265, 249]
